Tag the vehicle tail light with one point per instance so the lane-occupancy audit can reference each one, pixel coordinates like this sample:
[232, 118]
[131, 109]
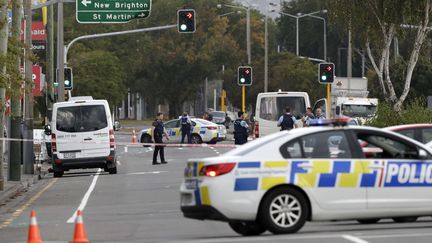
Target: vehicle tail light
[53, 143]
[212, 128]
[111, 136]
[256, 130]
[216, 169]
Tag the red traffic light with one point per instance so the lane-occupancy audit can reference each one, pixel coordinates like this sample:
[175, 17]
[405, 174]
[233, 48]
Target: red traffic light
[247, 71]
[189, 15]
[329, 68]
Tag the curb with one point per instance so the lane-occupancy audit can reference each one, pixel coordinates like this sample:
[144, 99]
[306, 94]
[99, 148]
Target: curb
[19, 186]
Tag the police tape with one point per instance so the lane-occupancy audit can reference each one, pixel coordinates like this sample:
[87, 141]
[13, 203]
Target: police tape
[175, 145]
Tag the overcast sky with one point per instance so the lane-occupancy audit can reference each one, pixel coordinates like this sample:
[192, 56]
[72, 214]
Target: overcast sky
[262, 4]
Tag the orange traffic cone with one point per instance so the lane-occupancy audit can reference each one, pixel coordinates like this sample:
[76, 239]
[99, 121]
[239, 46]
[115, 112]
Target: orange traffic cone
[33, 234]
[134, 137]
[79, 234]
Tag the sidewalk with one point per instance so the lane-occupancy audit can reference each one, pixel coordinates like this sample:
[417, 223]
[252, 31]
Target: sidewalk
[12, 188]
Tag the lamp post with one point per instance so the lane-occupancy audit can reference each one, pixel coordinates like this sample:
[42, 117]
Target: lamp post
[299, 16]
[248, 43]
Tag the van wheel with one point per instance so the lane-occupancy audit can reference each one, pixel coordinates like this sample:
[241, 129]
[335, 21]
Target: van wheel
[283, 211]
[146, 139]
[112, 170]
[196, 139]
[247, 228]
[368, 221]
[58, 173]
[405, 219]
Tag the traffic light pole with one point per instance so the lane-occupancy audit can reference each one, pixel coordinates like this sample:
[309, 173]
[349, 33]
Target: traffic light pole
[243, 98]
[328, 100]
[66, 50]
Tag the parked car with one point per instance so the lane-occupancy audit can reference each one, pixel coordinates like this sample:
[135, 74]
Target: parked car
[419, 132]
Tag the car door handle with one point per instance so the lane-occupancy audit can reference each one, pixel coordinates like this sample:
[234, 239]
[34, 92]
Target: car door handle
[88, 139]
[305, 165]
[376, 167]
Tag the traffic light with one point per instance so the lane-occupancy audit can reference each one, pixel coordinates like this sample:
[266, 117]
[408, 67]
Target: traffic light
[244, 76]
[186, 21]
[68, 78]
[326, 73]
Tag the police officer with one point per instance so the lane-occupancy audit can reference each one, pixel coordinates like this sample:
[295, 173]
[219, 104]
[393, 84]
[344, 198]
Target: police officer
[240, 129]
[287, 121]
[158, 132]
[186, 125]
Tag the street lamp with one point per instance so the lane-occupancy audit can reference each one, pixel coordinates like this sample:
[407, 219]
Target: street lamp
[299, 16]
[248, 42]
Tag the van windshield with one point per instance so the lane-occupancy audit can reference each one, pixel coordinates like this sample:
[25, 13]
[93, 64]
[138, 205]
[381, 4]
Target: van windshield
[271, 108]
[85, 118]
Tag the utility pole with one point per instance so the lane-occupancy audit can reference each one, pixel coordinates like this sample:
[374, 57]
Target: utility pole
[349, 59]
[60, 52]
[50, 59]
[16, 117]
[266, 51]
[3, 54]
[28, 154]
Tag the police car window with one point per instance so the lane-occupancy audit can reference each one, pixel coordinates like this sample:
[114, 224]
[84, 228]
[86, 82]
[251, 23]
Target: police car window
[383, 147]
[171, 124]
[427, 135]
[408, 133]
[291, 150]
[332, 144]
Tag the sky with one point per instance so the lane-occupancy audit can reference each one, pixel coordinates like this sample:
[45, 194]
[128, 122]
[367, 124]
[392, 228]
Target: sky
[262, 4]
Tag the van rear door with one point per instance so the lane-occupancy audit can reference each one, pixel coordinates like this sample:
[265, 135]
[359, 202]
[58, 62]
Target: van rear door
[69, 143]
[94, 130]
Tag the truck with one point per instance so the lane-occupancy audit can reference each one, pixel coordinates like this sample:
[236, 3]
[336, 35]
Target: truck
[349, 97]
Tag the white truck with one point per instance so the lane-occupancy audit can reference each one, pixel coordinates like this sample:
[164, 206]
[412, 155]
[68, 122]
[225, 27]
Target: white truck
[349, 97]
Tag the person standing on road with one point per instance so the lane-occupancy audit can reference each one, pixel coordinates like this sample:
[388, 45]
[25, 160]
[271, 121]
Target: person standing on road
[319, 115]
[308, 116]
[240, 129]
[186, 125]
[287, 121]
[158, 132]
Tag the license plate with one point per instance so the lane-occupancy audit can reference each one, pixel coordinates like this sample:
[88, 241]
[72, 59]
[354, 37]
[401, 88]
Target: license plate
[69, 155]
[191, 184]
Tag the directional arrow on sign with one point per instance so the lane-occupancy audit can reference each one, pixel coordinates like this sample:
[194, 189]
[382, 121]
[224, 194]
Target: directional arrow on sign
[142, 15]
[85, 2]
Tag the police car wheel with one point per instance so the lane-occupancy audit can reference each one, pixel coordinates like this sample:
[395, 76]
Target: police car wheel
[247, 228]
[368, 221]
[196, 139]
[405, 219]
[112, 170]
[58, 173]
[284, 211]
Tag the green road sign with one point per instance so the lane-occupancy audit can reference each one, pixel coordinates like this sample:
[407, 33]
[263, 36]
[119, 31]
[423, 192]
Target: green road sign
[111, 11]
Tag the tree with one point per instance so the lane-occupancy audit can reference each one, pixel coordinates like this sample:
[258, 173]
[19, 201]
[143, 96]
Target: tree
[376, 23]
[99, 74]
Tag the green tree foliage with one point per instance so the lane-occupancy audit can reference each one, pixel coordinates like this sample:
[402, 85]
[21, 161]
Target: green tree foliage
[99, 74]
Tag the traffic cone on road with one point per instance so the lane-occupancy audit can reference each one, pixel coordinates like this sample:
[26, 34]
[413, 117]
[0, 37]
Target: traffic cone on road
[79, 234]
[33, 234]
[134, 137]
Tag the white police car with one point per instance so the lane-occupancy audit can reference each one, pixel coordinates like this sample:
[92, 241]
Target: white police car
[280, 181]
[203, 131]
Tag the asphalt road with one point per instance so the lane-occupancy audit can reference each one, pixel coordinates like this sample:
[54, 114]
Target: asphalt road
[141, 204]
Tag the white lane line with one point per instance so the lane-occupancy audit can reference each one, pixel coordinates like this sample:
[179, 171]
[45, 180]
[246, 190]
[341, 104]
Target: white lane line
[125, 149]
[354, 239]
[146, 172]
[149, 149]
[409, 235]
[85, 198]
[180, 148]
[118, 162]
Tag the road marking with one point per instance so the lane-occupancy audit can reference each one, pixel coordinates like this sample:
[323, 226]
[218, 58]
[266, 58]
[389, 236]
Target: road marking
[118, 162]
[146, 172]
[149, 149]
[354, 239]
[180, 148]
[19, 211]
[85, 198]
[125, 149]
[397, 235]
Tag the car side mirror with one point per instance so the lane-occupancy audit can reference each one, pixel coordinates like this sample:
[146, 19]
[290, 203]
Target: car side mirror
[47, 129]
[423, 155]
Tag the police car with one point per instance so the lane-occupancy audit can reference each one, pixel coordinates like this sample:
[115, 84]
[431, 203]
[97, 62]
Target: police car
[282, 180]
[203, 131]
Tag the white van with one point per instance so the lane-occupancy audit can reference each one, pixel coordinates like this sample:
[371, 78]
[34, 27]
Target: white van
[82, 136]
[271, 105]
